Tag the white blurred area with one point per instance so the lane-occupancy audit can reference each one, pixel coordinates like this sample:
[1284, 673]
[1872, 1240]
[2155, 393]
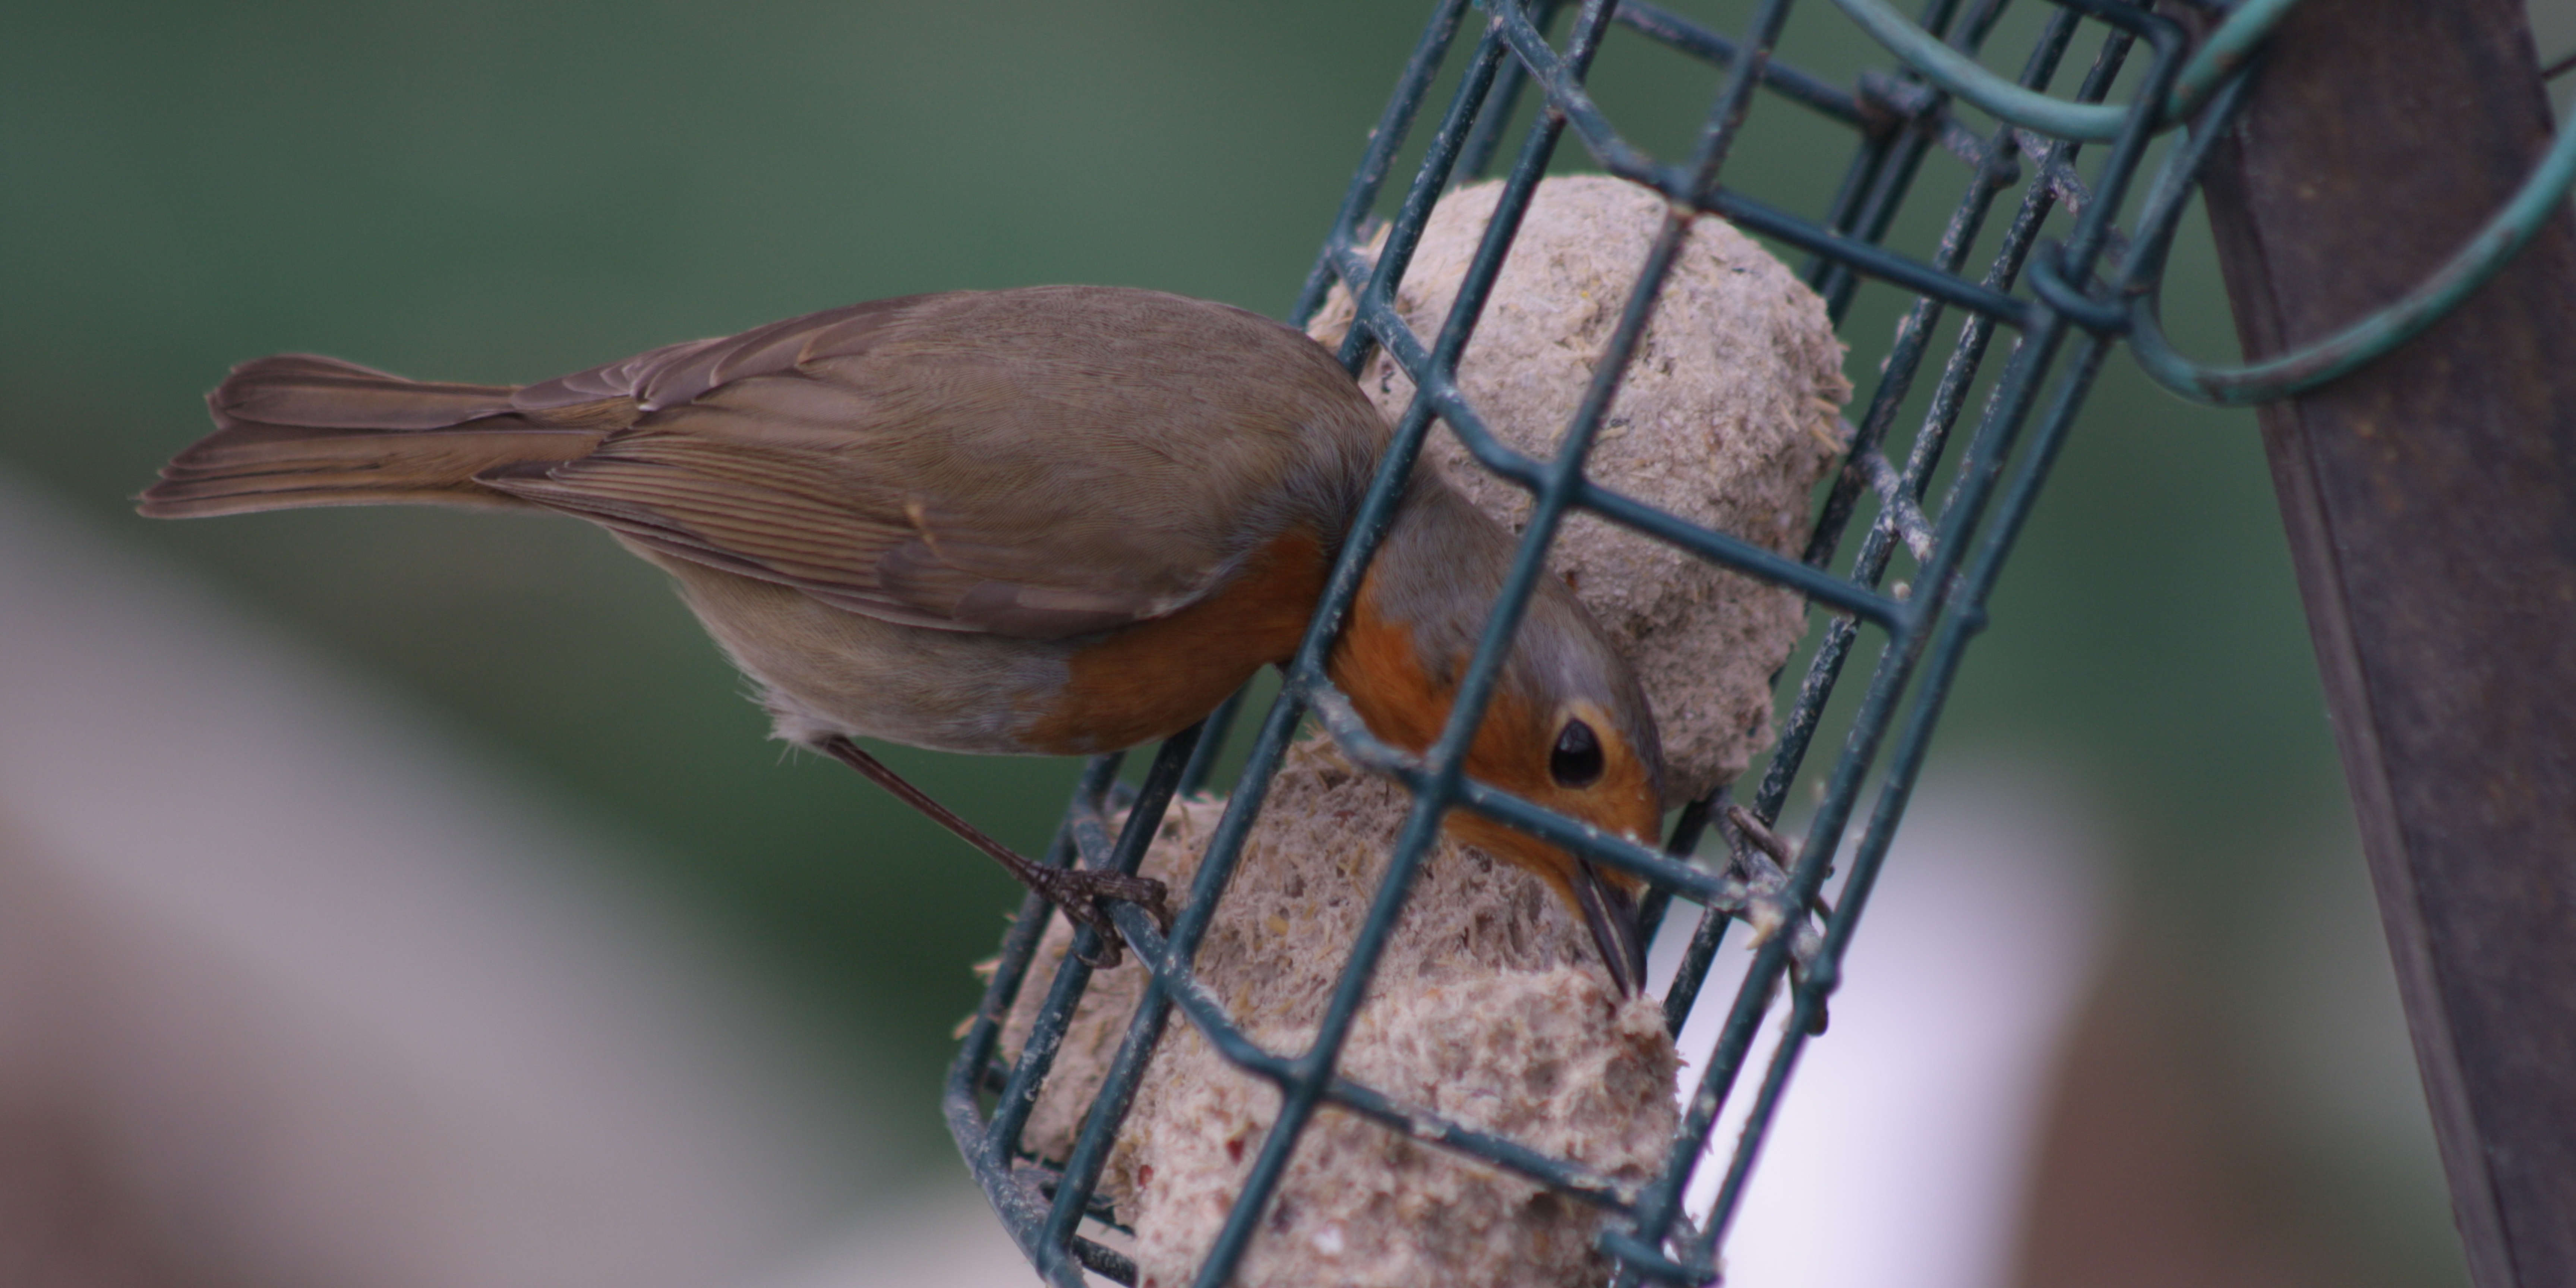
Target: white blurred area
[1902, 1151]
[293, 993]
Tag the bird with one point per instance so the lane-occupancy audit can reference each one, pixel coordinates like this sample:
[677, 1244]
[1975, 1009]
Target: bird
[1056, 520]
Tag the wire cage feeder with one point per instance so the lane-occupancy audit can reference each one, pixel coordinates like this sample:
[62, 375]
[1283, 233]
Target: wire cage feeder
[2059, 285]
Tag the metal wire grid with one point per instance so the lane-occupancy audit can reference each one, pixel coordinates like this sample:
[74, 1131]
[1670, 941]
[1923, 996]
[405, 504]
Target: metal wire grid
[2060, 333]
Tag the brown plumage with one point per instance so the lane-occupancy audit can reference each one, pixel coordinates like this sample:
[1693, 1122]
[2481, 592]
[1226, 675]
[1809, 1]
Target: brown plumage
[1056, 520]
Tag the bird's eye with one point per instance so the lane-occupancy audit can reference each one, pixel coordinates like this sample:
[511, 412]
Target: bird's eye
[1576, 762]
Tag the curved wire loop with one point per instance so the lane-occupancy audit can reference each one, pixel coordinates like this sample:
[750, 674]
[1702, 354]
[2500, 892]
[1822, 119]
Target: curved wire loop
[2373, 337]
[2219, 57]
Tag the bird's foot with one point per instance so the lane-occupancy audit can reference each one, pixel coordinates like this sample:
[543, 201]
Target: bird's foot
[1765, 860]
[1082, 893]
[1079, 891]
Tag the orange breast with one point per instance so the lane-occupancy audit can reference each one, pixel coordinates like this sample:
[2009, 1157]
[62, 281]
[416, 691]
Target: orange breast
[1406, 702]
[1394, 690]
[1151, 680]
[1377, 667]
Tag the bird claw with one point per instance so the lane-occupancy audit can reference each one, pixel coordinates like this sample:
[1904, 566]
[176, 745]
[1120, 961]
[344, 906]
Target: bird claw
[1759, 835]
[1110, 956]
[1083, 893]
[1764, 860]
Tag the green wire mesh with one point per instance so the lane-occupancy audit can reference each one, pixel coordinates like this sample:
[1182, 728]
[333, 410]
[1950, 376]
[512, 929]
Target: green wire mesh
[2055, 338]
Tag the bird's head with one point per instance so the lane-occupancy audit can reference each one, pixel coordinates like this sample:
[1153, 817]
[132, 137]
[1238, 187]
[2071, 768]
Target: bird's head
[1568, 728]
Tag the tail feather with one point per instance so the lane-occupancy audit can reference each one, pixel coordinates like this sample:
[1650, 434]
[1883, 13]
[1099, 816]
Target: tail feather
[299, 430]
[325, 393]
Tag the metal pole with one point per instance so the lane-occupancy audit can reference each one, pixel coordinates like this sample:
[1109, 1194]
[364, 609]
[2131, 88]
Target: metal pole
[2431, 506]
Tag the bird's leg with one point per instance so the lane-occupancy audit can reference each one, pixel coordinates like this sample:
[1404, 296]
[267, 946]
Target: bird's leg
[1754, 830]
[1771, 878]
[1078, 891]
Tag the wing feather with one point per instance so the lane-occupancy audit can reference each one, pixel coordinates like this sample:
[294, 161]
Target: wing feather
[1035, 463]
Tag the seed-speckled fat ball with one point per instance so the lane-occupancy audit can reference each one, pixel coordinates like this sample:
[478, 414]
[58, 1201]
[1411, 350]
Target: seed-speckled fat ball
[1727, 416]
[1490, 1007]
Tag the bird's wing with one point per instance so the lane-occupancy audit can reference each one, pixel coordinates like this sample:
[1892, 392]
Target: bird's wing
[1033, 463]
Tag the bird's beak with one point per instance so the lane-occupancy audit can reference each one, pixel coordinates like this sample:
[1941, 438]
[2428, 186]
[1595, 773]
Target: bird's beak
[1610, 912]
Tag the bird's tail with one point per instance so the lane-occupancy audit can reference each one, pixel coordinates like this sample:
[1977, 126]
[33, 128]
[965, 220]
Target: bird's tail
[297, 430]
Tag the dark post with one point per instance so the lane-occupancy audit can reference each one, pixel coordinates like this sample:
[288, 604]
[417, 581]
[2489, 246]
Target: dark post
[2431, 507]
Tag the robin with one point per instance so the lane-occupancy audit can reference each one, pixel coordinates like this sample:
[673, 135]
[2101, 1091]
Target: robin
[1051, 521]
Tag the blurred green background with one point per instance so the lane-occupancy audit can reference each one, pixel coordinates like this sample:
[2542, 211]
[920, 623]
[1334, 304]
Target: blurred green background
[503, 191]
